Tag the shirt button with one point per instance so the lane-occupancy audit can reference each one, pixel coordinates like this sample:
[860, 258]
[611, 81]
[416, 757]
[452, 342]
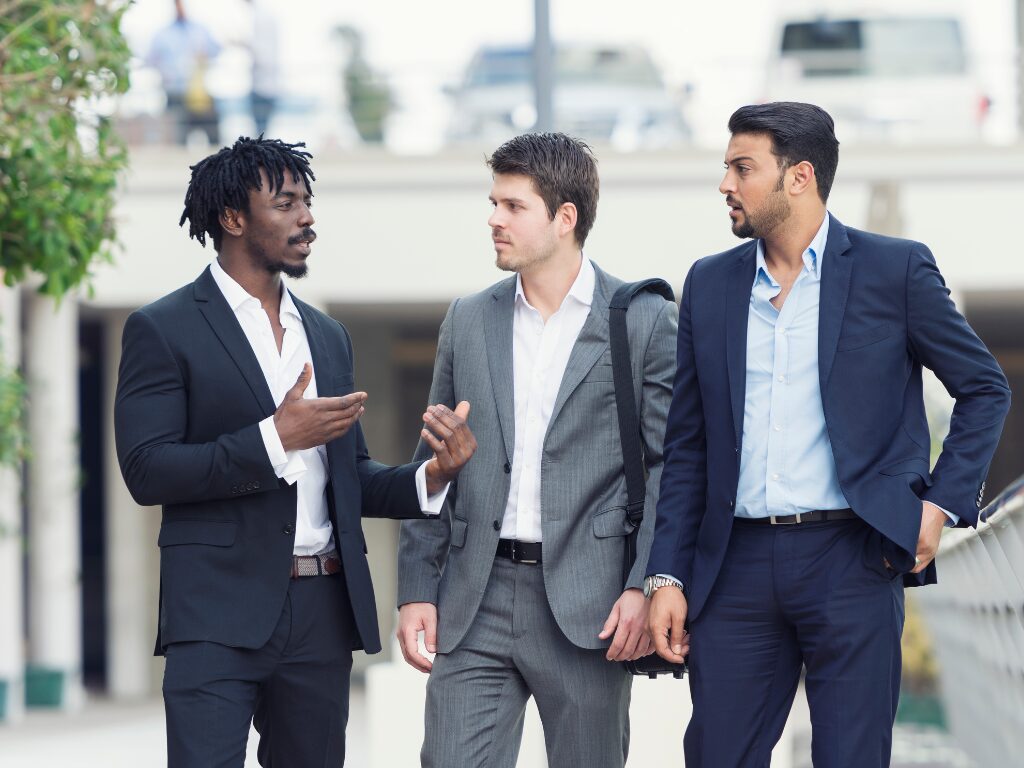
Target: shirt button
[288, 529]
[778, 428]
[775, 475]
[496, 525]
[782, 378]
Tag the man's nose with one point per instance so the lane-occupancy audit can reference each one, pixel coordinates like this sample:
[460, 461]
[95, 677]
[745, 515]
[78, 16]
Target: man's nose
[727, 184]
[306, 219]
[495, 220]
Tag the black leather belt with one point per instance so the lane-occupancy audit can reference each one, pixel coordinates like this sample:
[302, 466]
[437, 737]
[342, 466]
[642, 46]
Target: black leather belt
[815, 516]
[519, 551]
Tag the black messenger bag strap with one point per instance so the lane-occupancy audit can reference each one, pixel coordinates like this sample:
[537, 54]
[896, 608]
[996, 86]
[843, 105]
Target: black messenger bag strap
[625, 405]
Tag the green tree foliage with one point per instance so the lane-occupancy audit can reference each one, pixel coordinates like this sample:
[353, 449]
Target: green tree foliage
[61, 65]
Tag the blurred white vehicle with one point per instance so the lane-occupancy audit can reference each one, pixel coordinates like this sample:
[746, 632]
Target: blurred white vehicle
[899, 78]
[602, 94]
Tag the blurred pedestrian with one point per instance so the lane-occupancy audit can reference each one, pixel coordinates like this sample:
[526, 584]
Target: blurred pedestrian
[182, 53]
[264, 50]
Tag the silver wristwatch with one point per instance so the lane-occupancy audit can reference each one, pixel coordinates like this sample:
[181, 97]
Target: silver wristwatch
[654, 583]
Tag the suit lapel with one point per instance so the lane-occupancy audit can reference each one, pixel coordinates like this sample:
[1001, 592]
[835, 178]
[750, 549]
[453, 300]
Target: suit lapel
[590, 344]
[498, 334]
[835, 288]
[737, 309]
[322, 361]
[222, 320]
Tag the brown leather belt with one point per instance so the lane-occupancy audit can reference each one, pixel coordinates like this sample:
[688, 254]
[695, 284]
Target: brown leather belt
[519, 551]
[815, 516]
[315, 565]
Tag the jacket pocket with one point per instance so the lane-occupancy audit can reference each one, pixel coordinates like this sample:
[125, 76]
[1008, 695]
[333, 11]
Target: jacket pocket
[858, 340]
[458, 537]
[611, 522]
[216, 533]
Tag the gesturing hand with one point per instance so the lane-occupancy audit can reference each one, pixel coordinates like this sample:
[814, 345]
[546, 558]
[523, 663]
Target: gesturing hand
[303, 423]
[448, 435]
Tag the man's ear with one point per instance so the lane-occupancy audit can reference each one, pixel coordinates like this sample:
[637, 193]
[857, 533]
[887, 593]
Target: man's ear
[565, 217]
[232, 222]
[804, 179]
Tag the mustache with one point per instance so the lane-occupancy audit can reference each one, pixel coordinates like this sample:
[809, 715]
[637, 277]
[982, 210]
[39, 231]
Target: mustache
[306, 236]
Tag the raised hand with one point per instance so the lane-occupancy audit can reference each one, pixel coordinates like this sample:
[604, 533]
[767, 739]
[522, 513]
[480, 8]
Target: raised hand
[453, 444]
[305, 423]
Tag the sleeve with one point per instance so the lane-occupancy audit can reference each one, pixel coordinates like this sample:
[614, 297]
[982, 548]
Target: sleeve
[150, 423]
[423, 545]
[941, 340]
[656, 396]
[683, 494]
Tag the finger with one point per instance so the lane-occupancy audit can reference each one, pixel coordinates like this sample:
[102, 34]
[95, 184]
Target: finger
[345, 402]
[610, 623]
[618, 643]
[411, 651]
[462, 409]
[437, 446]
[676, 633]
[629, 646]
[295, 393]
[430, 634]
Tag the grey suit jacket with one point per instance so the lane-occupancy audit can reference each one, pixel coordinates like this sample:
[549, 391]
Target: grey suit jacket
[583, 491]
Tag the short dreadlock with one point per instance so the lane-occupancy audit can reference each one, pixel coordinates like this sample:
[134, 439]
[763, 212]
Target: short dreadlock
[224, 180]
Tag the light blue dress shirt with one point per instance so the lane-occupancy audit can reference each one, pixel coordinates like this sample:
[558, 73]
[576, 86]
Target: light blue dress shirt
[786, 464]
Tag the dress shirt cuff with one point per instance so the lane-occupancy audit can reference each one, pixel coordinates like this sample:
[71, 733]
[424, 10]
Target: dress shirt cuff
[429, 505]
[289, 466]
[671, 578]
[953, 519]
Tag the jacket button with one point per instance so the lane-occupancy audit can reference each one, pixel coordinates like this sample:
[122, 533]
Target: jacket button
[256, 485]
[507, 468]
[496, 525]
[289, 529]
[732, 504]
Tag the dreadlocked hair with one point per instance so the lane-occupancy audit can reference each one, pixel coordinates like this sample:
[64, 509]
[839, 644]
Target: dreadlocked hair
[223, 180]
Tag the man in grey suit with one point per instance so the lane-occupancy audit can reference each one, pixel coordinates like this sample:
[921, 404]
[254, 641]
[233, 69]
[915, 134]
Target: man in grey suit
[519, 591]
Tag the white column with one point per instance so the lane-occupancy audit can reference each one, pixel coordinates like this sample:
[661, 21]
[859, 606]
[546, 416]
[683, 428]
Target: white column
[132, 559]
[55, 603]
[12, 634]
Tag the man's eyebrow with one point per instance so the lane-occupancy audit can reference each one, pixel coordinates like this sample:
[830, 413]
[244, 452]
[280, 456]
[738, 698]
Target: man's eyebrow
[291, 195]
[506, 199]
[747, 158]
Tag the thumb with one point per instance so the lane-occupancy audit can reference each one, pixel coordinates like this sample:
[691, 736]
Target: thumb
[462, 409]
[676, 637]
[430, 636]
[611, 623]
[295, 393]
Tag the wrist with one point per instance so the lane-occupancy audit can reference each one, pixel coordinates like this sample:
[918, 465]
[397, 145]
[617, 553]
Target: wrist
[653, 583]
[436, 481]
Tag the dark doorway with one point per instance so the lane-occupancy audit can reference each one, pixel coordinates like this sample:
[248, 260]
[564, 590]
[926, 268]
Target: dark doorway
[91, 389]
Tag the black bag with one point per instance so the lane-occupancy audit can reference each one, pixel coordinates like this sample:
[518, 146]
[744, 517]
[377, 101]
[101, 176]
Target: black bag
[632, 451]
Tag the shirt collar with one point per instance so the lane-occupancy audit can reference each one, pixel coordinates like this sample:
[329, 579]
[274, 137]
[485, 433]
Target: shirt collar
[813, 255]
[582, 289]
[237, 296]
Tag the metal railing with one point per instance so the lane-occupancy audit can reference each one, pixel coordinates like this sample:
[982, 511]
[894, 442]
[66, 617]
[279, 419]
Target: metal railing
[976, 616]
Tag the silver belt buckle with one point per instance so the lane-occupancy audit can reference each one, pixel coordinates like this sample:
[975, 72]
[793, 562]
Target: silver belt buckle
[776, 521]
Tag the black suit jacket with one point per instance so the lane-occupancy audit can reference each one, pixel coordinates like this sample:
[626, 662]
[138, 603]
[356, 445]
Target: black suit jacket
[190, 396]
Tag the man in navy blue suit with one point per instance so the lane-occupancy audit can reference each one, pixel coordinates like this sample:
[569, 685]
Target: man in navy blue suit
[796, 499]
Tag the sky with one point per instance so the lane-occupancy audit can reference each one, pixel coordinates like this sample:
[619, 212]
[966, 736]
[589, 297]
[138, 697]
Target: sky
[716, 53]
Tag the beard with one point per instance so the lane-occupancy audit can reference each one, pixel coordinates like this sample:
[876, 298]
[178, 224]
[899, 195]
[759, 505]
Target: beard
[762, 222]
[521, 261]
[275, 265]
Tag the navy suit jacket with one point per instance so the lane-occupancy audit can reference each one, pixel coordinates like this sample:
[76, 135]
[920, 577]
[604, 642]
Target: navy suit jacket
[885, 312]
[190, 396]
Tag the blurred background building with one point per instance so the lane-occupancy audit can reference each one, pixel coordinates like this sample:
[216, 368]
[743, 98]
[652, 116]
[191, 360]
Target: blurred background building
[400, 102]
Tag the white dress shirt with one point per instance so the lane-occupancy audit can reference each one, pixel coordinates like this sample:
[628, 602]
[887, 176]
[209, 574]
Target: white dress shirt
[308, 467]
[540, 352]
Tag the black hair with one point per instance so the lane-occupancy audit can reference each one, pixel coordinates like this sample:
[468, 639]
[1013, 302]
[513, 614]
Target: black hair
[563, 170]
[798, 132]
[224, 180]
